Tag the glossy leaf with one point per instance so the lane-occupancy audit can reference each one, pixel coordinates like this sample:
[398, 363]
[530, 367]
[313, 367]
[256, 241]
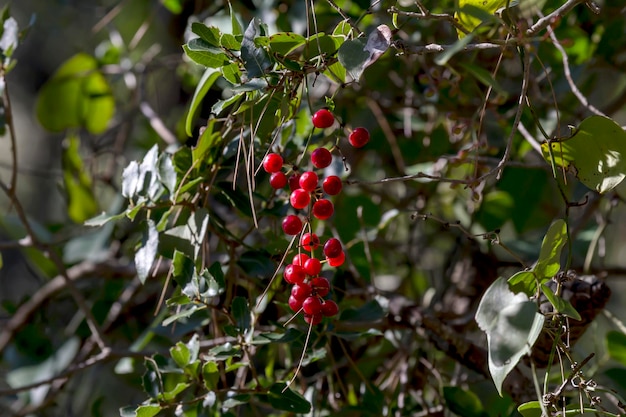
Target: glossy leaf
[288, 400]
[255, 59]
[549, 262]
[203, 53]
[512, 325]
[353, 56]
[77, 96]
[208, 78]
[241, 314]
[530, 409]
[524, 282]
[596, 153]
[146, 254]
[560, 305]
[285, 42]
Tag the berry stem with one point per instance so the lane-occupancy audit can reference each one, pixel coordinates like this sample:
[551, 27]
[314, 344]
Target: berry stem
[306, 344]
[282, 261]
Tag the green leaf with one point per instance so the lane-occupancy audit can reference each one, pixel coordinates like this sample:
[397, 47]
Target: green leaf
[549, 262]
[255, 59]
[284, 42]
[180, 354]
[458, 46]
[484, 77]
[202, 53]
[353, 56]
[171, 394]
[472, 13]
[559, 304]
[530, 409]
[288, 400]
[463, 403]
[241, 314]
[495, 209]
[210, 375]
[368, 312]
[103, 218]
[596, 153]
[149, 410]
[616, 346]
[208, 78]
[82, 202]
[145, 255]
[232, 74]
[207, 147]
[523, 281]
[321, 44]
[211, 35]
[76, 96]
[512, 325]
[174, 6]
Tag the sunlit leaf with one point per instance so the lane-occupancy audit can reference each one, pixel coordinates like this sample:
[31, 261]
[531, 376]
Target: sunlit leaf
[549, 262]
[146, 254]
[560, 305]
[512, 324]
[76, 96]
[596, 153]
[208, 78]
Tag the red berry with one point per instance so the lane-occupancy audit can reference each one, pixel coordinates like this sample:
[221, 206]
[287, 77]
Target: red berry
[294, 182]
[308, 181]
[323, 209]
[312, 266]
[337, 260]
[309, 241]
[359, 137]
[313, 319]
[321, 158]
[299, 198]
[323, 119]
[300, 259]
[332, 185]
[272, 162]
[312, 305]
[332, 248]
[294, 303]
[321, 286]
[278, 180]
[292, 225]
[301, 291]
[294, 274]
[330, 308]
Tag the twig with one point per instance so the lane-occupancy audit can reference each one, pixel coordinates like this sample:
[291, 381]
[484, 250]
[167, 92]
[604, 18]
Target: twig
[568, 75]
[343, 15]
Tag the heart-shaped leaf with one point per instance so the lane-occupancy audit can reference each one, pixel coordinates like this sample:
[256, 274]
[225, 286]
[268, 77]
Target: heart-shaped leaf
[512, 325]
[596, 153]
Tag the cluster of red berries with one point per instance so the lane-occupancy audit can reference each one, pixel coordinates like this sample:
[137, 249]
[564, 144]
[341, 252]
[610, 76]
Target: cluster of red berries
[309, 289]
